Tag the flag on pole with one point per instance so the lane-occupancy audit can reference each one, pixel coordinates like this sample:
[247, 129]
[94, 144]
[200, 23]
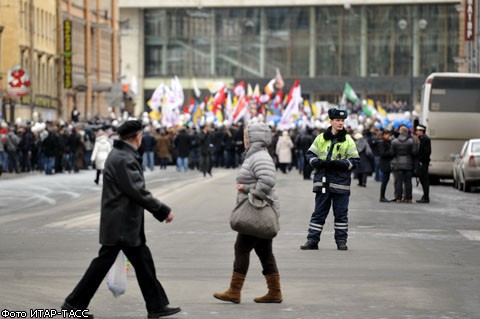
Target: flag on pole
[240, 110]
[292, 106]
[279, 84]
[196, 90]
[239, 89]
[350, 94]
[157, 96]
[269, 88]
[219, 99]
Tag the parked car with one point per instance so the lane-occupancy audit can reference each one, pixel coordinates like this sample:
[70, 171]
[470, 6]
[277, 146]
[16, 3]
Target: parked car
[466, 166]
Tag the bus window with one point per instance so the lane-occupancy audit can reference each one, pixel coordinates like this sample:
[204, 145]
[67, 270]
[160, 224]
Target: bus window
[455, 95]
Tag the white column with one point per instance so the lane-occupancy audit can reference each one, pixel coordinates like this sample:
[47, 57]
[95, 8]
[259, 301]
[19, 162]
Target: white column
[313, 43]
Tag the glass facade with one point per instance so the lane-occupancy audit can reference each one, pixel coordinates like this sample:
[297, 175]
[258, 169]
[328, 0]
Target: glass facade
[301, 41]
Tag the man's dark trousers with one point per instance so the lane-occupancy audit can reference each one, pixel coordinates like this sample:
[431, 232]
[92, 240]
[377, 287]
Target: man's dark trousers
[322, 208]
[141, 260]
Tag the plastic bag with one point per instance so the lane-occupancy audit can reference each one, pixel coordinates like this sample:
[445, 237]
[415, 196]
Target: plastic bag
[117, 275]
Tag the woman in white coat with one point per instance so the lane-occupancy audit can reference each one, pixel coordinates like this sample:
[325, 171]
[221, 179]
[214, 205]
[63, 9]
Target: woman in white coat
[100, 152]
[284, 151]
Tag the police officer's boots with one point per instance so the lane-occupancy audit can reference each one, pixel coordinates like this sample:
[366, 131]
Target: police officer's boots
[233, 293]
[274, 294]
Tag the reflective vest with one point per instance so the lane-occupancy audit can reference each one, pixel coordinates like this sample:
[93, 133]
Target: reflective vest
[333, 179]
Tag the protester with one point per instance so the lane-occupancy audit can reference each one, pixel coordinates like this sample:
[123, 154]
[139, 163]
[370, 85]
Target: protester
[124, 198]
[403, 150]
[206, 150]
[148, 146]
[257, 174]
[283, 150]
[101, 149]
[333, 155]
[385, 153]
[162, 149]
[183, 145]
[364, 168]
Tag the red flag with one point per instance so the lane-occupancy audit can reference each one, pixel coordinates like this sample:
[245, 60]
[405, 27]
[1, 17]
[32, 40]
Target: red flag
[240, 110]
[219, 99]
[292, 89]
[239, 89]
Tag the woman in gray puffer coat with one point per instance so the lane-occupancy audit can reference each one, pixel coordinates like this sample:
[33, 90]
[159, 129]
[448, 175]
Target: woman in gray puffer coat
[256, 174]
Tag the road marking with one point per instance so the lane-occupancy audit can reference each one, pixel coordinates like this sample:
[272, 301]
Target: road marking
[77, 222]
[470, 234]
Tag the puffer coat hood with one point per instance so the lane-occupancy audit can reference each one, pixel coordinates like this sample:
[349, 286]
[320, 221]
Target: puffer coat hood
[259, 133]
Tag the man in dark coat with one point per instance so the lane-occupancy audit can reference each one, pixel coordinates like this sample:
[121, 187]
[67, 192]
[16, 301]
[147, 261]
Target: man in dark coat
[207, 148]
[423, 157]
[385, 153]
[124, 198]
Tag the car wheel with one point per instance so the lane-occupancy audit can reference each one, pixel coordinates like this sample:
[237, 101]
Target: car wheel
[467, 187]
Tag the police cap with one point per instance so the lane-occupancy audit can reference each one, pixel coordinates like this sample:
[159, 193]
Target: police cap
[421, 127]
[334, 113]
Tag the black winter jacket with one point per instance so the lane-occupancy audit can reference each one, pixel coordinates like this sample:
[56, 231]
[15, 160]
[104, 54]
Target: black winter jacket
[124, 198]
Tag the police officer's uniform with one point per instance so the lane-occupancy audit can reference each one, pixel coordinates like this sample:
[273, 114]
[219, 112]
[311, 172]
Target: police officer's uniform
[333, 157]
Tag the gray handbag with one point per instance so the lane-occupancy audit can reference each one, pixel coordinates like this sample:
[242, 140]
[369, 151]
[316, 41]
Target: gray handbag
[254, 215]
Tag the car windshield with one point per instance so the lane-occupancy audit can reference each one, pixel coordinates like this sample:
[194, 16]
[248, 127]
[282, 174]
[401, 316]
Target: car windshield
[476, 147]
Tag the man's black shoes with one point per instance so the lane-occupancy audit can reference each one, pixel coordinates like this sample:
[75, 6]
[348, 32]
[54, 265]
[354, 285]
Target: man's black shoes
[384, 200]
[77, 313]
[342, 246]
[423, 201]
[309, 246]
[165, 311]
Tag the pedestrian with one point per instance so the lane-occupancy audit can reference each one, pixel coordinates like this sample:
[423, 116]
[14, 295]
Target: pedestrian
[257, 174]
[50, 148]
[365, 167]
[333, 155]
[283, 150]
[88, 143]
[12, 142]
[207, 149]
[74, 145]
[101, 149]
[423, 157]
[385, 153]
[148, 145]
[163, 149]
[403, 150]
[124, 198]
[302, 144]
[183, 145]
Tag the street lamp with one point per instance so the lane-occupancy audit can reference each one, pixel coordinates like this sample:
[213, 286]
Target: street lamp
[414, 52]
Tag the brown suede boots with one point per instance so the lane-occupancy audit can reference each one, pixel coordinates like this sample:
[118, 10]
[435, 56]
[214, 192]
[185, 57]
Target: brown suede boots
[274, 294]
[233, 293]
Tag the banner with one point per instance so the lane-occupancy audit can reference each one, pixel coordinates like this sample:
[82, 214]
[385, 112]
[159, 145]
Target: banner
[67, 54]
[469, 20]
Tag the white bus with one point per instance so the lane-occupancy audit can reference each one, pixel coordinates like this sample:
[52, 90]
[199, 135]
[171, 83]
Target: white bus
[450, 108]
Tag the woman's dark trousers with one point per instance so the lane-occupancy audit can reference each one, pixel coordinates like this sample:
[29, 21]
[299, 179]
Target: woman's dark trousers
[263, 248]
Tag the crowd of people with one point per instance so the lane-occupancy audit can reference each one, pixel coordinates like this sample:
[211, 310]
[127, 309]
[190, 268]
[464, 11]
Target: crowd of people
[55, 147]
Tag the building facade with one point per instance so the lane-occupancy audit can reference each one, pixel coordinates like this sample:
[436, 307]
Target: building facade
[384, 50]
[91, 27]
[70, 50]
[28, 41]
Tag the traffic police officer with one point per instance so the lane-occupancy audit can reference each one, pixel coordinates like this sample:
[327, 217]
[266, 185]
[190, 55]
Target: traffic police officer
[332, 155]
[423, 157]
